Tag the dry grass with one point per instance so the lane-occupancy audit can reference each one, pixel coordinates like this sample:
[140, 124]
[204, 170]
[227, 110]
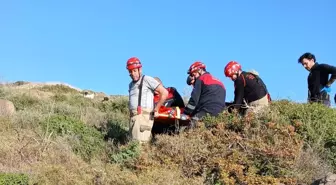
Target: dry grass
[283, 145]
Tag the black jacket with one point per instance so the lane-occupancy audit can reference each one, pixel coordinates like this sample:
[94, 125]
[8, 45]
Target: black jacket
[208, 96]
[249, 87]
[317, 79]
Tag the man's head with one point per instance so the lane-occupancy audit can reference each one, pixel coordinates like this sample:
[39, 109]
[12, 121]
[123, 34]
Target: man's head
[307, 60]
[232, 70]
[134, 68]
[197, 69]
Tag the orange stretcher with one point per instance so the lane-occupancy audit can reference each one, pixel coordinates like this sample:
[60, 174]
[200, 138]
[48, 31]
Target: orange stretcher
[170, 117]
[169, 120]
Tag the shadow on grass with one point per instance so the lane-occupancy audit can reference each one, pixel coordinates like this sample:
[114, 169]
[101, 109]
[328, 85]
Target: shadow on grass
[116, 133]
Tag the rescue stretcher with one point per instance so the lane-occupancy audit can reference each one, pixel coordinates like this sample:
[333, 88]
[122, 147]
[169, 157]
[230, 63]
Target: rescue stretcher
[170, 118]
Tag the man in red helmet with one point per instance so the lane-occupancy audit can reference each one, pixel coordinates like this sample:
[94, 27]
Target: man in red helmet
[208, 95]
[250, 91]
[141, 101]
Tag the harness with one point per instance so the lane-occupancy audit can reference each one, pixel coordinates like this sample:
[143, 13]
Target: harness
[139, 109]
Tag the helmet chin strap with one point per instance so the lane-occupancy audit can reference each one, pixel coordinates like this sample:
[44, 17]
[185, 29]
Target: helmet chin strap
[199, 72]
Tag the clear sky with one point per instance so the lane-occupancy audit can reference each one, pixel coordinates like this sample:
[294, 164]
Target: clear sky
[87, 43]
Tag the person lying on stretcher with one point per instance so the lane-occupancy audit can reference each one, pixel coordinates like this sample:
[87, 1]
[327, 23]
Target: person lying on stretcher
[174, 99]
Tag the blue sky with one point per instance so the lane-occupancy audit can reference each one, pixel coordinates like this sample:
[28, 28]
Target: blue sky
[87, 43]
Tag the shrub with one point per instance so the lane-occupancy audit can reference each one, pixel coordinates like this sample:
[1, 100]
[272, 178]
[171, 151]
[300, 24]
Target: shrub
[120, 105]
[86, 141]
[13, 179]
[126, 154]
[115, 131]
[58, 89]
[18, 83]
[80, 101]
[59, 97]
[314, 122]
[24, 101]
[2, 92]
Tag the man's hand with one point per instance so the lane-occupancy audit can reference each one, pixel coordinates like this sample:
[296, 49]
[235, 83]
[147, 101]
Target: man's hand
[184, 117]
[156, 114]
[326, 89]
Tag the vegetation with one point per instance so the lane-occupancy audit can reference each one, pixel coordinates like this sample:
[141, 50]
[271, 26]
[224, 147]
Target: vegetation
[59, 137]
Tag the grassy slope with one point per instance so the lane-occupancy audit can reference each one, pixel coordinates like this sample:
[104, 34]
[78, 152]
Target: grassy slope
[59, 137]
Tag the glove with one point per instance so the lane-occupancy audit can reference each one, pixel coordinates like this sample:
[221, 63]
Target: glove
[184, 117]
[326, 89]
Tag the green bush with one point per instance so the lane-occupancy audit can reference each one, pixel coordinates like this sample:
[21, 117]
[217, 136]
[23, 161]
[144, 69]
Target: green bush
[116, 131]
[59, 97]
[80, 101]
[18, 83]
[127, 153]
[314, 122]
[120, 105]
[86, 141]
[13, 179]
[2, 92]
[24, 101]
[58, 88]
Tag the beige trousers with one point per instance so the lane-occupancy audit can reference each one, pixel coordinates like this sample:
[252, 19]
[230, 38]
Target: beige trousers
[140, 126]
[258, 106]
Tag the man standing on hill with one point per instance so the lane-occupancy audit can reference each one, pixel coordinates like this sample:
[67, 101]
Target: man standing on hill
[208, 95]
[318, 79]
[141, 101]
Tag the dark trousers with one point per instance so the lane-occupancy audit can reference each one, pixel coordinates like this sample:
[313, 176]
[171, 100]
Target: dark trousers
[324, 98]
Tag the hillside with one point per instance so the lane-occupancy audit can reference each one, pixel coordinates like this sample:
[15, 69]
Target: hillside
[58, 136]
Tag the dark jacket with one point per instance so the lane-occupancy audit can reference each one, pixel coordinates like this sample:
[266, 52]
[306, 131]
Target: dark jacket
[249, 87]
[317, 79]
[208, 96]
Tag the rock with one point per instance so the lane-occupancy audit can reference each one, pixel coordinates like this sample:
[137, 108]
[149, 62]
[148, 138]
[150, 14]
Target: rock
[7, 108]
[330, 179]
[106, 98]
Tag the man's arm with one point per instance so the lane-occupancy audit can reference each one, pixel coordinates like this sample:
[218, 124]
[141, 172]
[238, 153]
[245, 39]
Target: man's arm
[239, 93]
[194, 98]
[331, 70]
[154, 85]
[163, 93]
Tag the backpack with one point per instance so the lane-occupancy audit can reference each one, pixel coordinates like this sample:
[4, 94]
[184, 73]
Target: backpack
[261, 82]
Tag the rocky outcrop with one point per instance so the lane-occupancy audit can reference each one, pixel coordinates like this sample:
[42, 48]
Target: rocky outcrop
[7, 108]
[330, 179]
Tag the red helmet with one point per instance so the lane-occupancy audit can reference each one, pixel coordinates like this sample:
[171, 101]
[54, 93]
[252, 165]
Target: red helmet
[196, 66]
[231, 68]
[133, 63]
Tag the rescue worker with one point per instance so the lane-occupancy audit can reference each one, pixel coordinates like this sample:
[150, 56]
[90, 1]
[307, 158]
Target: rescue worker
[141, 104]
[318, 79]
[250, 91]
[207, 96]
[174, 98]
